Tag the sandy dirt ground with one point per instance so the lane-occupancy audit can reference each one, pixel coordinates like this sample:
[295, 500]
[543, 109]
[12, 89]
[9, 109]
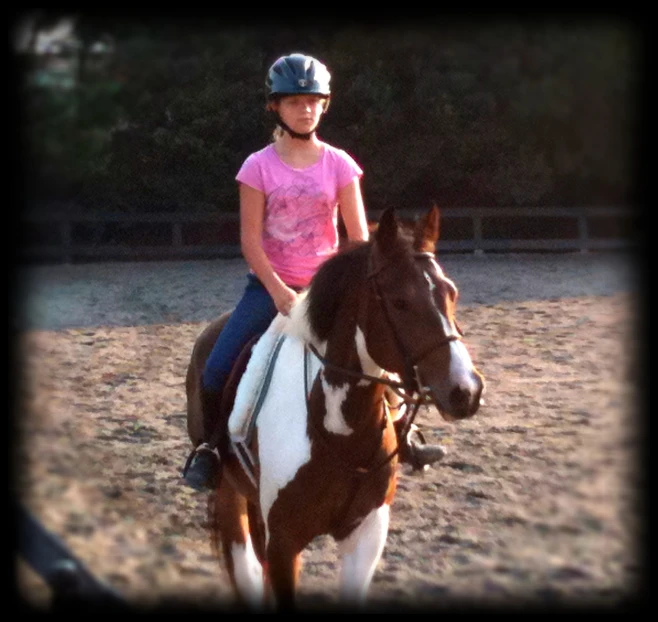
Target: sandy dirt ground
[535, 504]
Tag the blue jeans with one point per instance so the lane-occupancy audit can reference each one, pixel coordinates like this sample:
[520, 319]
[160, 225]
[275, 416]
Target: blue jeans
[252, 315]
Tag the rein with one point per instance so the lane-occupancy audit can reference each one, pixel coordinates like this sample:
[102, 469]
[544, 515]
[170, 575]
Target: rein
[356, 374]
[415, 402]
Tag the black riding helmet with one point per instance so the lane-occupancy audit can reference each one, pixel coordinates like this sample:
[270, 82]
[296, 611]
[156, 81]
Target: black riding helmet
[297, 74]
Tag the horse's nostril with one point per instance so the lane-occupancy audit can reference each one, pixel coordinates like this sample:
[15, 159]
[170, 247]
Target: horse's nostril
[460, 397]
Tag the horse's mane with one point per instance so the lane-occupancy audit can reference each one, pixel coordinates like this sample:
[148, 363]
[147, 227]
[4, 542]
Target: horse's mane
[341, 273]
[331, 282]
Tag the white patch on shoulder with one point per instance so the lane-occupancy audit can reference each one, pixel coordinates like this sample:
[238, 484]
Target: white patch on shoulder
[334, 421]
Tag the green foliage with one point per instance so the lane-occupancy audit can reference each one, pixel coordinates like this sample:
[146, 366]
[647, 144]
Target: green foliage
[66, 135]
[507, 114]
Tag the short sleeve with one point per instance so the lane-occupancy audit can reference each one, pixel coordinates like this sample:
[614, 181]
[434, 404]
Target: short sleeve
[250, 173]
[348, 169]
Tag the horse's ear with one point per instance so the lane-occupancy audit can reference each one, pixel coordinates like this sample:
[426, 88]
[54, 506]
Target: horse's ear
[386, 238]
[426, 234]
[387, 229]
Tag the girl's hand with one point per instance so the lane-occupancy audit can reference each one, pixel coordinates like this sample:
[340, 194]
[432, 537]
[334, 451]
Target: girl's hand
[285, 299]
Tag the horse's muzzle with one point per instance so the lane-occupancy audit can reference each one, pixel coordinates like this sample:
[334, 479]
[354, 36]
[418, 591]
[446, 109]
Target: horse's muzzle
[463, 400]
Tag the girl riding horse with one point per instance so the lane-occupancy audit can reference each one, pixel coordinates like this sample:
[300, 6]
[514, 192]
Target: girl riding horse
[290, 193]
[314, 444]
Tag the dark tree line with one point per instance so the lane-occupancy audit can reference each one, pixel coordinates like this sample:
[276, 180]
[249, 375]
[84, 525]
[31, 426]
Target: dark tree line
[536, 113]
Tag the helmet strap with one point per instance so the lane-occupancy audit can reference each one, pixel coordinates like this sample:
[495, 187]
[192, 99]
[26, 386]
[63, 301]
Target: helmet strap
[292, 132]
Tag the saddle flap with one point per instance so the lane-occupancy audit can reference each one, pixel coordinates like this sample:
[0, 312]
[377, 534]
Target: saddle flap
[253, 385]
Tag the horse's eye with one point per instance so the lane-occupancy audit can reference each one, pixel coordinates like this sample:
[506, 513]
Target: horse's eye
[400, 304]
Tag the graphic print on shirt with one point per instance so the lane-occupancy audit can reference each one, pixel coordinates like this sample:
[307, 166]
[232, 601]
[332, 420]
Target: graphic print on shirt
[298, 220]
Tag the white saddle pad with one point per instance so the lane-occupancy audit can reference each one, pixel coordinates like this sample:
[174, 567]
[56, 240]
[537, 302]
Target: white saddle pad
[254, 382]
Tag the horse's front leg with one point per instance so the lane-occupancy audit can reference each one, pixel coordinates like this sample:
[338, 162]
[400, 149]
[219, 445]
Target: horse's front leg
[283, 565]
[360, 552]
[242, 563]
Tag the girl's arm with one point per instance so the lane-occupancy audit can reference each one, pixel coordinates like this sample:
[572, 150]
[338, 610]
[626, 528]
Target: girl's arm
[252, 212]
[353, 211]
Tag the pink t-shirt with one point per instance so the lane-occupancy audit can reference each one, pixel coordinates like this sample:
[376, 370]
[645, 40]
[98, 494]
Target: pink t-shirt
[301, 209]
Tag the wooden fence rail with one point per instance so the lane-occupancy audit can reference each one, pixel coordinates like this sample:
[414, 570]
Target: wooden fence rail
[69, 237]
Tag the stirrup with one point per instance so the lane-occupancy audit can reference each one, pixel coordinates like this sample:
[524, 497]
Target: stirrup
[419, 453]
[202, 453]
[198, 449]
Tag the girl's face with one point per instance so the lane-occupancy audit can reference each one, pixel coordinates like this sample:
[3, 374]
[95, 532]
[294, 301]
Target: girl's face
[300, 112]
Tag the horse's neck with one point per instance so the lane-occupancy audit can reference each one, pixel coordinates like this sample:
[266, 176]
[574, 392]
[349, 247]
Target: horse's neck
[361, 399]
[352, 409]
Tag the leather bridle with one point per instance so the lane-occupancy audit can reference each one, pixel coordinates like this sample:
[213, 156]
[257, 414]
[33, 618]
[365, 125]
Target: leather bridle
[410, 389]
[410, 375]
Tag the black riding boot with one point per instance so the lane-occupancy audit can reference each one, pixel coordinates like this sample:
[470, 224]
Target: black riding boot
[203, 466]
[416, 453]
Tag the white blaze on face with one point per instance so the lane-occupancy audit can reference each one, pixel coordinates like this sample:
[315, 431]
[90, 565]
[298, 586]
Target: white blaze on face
[461, 365]
[462, 371]
[428, 278]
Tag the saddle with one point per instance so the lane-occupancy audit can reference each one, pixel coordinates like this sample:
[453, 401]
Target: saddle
[229, 392]
[238, 411]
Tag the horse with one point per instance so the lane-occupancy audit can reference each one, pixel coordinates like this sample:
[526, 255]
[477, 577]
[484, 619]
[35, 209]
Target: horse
[376, 322]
